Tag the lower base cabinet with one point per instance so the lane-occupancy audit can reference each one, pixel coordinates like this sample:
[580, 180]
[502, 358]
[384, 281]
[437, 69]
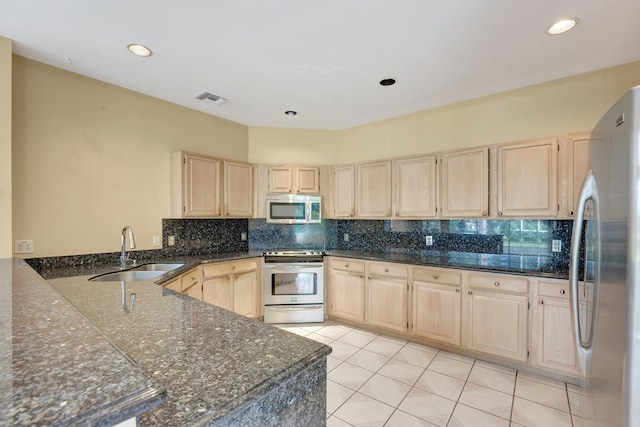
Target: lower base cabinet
[346, 289]
[387, 303]
[234, 286]
[436, 312]
[498, 324]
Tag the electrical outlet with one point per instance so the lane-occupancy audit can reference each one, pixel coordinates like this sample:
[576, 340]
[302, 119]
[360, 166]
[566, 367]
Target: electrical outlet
[24, 247]
[243, 236]
[156, 241]
[171, 240]
[428, 240]
[345, 237]
[556, 245]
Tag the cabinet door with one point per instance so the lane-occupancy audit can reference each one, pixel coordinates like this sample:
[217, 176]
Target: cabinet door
[580, 167]
[343, 192]
[194, 291]
[201, 186]
[347, 295]
[498, 324]
[307, 180]
[373, 190]
[280, 179]
[416, 187]
[245, 294]
[238, 189]
[218, 291]
[527, 179]
[465, 184]
[553, 344]
[387, 303]
[437, 312]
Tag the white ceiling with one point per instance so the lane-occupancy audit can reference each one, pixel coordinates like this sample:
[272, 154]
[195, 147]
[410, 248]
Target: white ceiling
[325, 58]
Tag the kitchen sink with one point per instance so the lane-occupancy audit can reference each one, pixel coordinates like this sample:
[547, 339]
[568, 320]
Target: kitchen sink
[156, 267]
[127, 276]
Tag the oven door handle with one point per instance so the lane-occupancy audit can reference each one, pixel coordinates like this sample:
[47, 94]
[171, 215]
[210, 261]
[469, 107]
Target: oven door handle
[305, 266]
[294, 307]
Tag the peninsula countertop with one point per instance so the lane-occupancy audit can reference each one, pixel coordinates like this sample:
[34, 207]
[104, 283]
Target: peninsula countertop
[211, 361]
[56, 368]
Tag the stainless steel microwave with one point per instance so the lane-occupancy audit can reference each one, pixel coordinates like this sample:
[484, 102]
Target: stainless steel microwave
[293, 209]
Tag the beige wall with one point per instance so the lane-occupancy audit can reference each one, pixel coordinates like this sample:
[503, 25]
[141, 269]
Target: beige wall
[562, 106]
[6, 246]
[90, 157]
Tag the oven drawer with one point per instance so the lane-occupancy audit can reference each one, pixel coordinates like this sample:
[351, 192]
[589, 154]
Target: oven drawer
[294, 313]
[350, 265]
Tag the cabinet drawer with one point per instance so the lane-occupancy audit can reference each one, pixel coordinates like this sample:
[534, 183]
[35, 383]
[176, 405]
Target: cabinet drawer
[499, 283]
[431, 275]
[560, 290]
[350, 265]
[388, 269]
[227, 268]
[189, 279]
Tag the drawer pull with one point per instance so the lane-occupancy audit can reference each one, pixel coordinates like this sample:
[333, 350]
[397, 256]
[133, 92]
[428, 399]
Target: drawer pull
[500, 213]
[435, 276]
[469, 292]
[562, 291]
[540, 302]
[484, 214]
[386, 270]
[233, 267]
[346, 266]
[457, 289]
[497, 283]
[570, 212]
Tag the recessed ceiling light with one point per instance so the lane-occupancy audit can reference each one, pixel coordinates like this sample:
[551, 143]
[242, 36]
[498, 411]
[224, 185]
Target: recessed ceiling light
[139, 49]
[562, 26]
[291, 113]
[388, 81]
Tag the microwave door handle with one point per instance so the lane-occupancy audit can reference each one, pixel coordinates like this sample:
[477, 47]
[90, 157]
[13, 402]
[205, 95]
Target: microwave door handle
[589, 192]
[307, 213]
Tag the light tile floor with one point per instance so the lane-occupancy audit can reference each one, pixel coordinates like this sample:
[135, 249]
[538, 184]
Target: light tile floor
[375, 380]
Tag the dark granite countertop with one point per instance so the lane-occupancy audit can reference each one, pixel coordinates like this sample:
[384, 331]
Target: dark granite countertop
[507, 264]
[56, 367]
[211, 361]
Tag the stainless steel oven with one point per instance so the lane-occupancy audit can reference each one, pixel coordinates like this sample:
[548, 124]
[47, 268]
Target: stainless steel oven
[293, 287]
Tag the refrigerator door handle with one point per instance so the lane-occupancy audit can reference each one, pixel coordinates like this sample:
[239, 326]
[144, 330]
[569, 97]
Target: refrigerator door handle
[589, 192]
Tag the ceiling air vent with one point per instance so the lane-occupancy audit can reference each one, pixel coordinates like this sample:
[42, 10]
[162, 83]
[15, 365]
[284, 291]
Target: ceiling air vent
[210, 97]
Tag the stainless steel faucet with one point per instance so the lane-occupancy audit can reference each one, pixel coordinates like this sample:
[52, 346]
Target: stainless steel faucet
[132, 245]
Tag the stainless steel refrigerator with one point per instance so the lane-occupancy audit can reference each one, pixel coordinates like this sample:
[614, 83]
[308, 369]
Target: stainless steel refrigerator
[605, 260]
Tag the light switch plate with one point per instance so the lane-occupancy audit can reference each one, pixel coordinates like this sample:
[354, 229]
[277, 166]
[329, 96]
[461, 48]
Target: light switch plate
[156, 241]
[345, 237]
[556, 245]
[428, 240]
[171, 240]
[243, 236]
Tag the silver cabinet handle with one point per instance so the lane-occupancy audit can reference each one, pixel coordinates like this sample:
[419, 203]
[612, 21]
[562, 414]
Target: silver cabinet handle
[435, 276]
[484, 214]
[540, 301]
[457, 289]
[496, 283]
[386, 270]
[500, 213]
[562, 291]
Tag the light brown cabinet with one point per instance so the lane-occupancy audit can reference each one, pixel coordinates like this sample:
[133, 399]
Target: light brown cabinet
[344, 191]
[498, 309]
[346, 289]
[436, 304]
[234, 286]
[238, 189]
[201, 185]
[574, 167]
[195, 186]
[294, 179]
[527, 179]
[373, 190]
[191, 283]
[464, 190]
[386, 295]
[552, 337]
[415, 187]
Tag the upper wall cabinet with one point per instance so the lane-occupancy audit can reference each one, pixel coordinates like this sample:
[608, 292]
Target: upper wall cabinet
[464, 191]
[198, 187]
[527, 179]
[373, 190]
[574, 161]
[415, 187]
[195, 186]
[344, 184]
[238, 189]
[294, 179]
